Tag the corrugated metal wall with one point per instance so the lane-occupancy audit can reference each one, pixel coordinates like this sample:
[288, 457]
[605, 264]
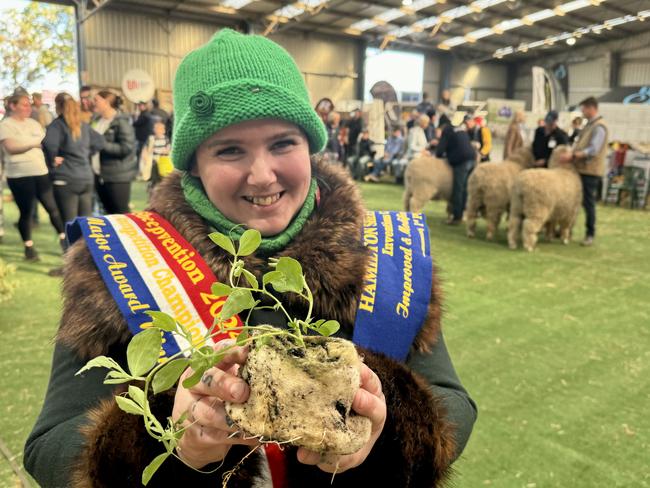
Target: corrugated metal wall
[635, 67]
[589, 78]
[485, 79]
[117, 42]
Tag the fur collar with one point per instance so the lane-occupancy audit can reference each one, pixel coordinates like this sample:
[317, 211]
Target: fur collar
[329, 248]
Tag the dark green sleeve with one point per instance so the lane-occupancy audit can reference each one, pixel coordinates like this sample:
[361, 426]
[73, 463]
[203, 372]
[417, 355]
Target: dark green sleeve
[436, 367]
[55, 442]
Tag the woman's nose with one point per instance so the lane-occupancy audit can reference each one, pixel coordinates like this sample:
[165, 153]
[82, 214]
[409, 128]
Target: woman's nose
[261, 171]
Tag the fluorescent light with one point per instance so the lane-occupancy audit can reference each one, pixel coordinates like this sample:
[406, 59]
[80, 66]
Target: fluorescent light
[541, 15]
[236, 4]
[388, 15]
[364, 25]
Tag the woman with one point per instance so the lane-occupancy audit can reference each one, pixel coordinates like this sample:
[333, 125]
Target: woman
[116, 165]
[68, 144]
[251, 167]
[27, 174]
[417, 139]
[515, 134]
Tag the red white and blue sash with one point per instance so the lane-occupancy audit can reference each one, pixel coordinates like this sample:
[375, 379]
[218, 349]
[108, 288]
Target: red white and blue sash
[147, 265]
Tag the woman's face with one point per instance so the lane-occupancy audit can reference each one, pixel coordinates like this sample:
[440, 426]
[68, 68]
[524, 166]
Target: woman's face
[22, 108]
[101, 105]
[257, 173]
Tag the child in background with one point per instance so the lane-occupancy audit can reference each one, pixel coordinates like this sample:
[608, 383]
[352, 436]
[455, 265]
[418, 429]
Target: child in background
[154, 160]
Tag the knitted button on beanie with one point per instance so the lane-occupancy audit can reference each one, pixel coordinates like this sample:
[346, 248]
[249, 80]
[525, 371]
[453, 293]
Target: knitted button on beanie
[234, 78]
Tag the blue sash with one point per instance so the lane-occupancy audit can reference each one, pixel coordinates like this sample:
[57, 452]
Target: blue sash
[397, 284]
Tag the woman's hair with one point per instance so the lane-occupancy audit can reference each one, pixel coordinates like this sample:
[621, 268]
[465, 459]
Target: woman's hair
[423, 119]
[69, 108]
[16, 97]
[114, 100]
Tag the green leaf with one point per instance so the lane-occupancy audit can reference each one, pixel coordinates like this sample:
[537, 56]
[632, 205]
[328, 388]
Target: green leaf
[128, 405]
[286, 277]
[143, 351]
[137, 395]
[220, 289]
[117, 377]
[168, 375]
[249, 242]
[250, 277]
[162, 320]
[223, 242]
[328, 328]
[240, 299]
[194, 379]
[242, 337]
[152, 467]
[101, 362]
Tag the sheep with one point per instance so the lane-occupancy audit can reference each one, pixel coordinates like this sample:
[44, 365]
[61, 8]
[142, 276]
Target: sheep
[545, 197]
[488, 190]
[426, 178]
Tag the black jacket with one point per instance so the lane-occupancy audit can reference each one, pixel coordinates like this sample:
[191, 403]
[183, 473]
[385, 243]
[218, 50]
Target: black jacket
[455, 145]
[119, 163]
[143, 126]
[76, 153]
[544, 143]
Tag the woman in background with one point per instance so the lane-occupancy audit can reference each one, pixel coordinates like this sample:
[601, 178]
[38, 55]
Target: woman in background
[116, 165]
[68, 144]
[27, 174]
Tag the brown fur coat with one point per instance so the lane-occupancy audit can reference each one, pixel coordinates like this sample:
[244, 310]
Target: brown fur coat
[416, 446]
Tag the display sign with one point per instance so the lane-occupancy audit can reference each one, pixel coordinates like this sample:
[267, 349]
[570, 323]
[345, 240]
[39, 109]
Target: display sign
[501, 110]
[138, 86]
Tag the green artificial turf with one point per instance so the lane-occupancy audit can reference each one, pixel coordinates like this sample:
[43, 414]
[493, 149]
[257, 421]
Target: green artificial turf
[554, 346]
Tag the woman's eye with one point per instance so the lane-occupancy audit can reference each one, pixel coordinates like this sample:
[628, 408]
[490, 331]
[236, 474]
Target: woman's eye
[283, 144]
[229, 151]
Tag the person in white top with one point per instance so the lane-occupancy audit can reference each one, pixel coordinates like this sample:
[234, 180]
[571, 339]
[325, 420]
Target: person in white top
[26, 171]
[417, 140]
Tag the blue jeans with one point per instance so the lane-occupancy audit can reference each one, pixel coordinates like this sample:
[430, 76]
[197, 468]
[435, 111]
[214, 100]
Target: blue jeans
[380, 164]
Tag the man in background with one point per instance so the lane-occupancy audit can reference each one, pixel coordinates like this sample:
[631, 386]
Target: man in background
[87, 105]
[547, 138]
[40, 112]
[589, 156]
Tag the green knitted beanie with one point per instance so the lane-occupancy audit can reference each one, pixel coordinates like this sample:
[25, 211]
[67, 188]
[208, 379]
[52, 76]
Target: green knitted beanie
[234, 78]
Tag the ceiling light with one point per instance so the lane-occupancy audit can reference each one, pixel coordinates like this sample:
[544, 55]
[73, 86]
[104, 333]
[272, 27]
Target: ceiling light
[558, 11]
[571, 41]
[236, 4]
[527, 21]
[407, 3]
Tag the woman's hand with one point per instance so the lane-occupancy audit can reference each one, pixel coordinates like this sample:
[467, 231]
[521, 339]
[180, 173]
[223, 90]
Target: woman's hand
[369, 402]
[208, 435]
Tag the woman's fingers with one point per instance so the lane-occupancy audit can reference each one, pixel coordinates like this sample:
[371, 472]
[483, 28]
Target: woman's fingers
[226, 386]
[210, 412]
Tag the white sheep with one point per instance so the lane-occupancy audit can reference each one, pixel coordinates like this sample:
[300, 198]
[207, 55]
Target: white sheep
[488, 190]
[426, 178]
[545, 197]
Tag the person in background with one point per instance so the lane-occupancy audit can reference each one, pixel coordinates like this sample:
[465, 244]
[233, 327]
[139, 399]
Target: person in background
[413, 117]
[158, 144]
[480, 135]
[43, 114]
[589, 155]
[515, 134]
[158, 114]
[417, 139]
[576, 125]
[27, 174]
[354, 125]
[68, 145]
[455, 145]
[323, 108]
[425, 106]
[116, 165]
[87, 105]
[430, 130]
[547, 138]
[143, 125]
[334, 147]
[392, 151]
[445, 105]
